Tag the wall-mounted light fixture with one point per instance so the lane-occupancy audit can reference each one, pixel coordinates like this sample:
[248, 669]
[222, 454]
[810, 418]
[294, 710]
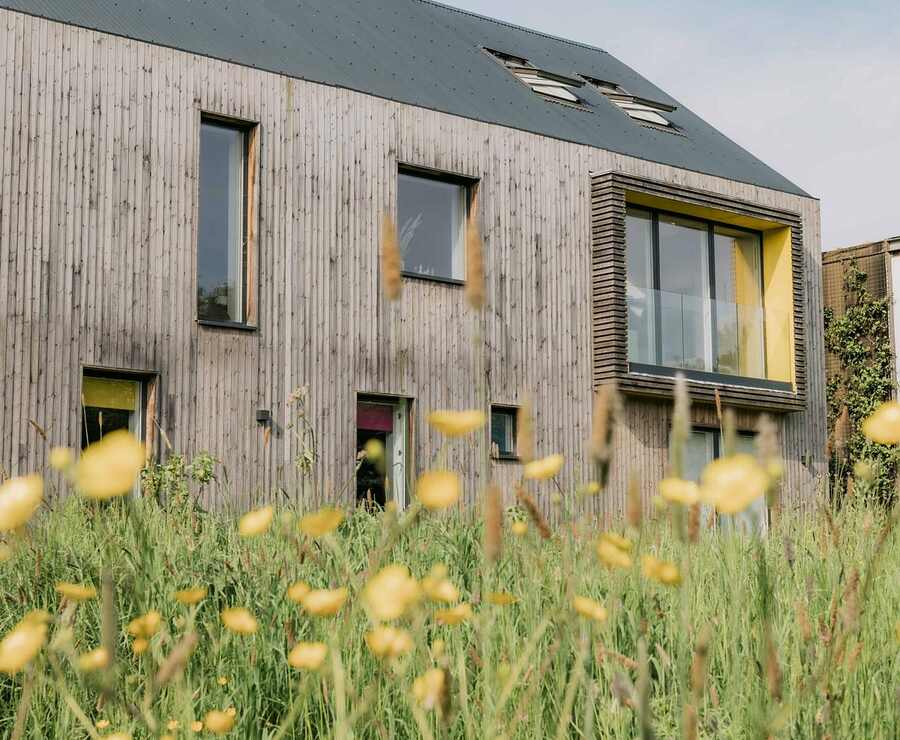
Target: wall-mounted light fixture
[263, 417]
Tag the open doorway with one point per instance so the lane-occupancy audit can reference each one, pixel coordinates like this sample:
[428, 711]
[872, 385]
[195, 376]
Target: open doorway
[385, 419]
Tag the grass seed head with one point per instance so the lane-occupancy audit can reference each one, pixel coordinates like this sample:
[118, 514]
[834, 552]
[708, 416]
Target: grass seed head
[475, 286]
[391, 261]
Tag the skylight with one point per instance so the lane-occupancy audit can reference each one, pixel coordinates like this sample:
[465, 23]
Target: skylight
[543, 83]
[640, 109]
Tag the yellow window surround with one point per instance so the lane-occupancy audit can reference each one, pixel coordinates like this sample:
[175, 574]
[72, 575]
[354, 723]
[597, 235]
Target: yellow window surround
[778, 285]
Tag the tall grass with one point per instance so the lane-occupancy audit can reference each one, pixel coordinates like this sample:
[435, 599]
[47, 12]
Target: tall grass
[581, 679]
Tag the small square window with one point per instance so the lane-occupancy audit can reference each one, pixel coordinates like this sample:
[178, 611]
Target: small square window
[503, 432]
[432, 215]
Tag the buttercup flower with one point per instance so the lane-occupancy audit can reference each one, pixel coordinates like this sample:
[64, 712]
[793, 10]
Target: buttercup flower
[589, 609]
[196, 726]
[660, 570]
[61, 458]
[218, 722]
[239, 620]
[389, 642]
[140, 645]
[19, 499]
[374, 450]
[21, 644]
[256, 522]
[457, 423]
[222, 680]
[458, 614]
[883, 426]
[612, 550]
[501, 598]
[173, 724]
[75, 591]
[438, 489]
[308, 656]
[110, 467]
[546, 467]
[429, 689]
[676, 490]
[321, 522]
[438, 587]
[102, 724]
[190, 596]
[390, 592]
[146, 625]
[519, 528]
[324, 602]
[296, 591]
[94, 660]
[732, 483]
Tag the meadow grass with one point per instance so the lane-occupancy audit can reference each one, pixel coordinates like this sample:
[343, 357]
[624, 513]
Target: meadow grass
[530, 669]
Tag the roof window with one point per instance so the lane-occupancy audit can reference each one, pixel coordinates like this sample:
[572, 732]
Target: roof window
[556, 87]
[640, 109]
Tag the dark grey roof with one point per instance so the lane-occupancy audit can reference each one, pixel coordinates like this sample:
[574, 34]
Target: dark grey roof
[425, 54]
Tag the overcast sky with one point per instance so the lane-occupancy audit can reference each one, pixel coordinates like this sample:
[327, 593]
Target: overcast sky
[811, 87]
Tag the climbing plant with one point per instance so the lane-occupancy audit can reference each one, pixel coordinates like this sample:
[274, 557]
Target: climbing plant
[860, 340]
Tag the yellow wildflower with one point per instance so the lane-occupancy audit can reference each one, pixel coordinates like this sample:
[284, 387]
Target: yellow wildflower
[429, 689]
[438, 587]
[321, 522]
[589, 609]
[676, 490]
[438, 489]
[173, 724]
[731, 484]
[75, 591]
[146, 625]
[19, 499]
[61, 458]
[296, 591]
[21, 644]
[660, 570]
[197, 726]
[519, 528]
[324, 602]
[883, 426]
[612, 550]
[190, 596]
[222, 680]
[458, 614]
[374, 450]
[140, 645]
[256, 522]
[231, 712]
[218, 722]
[102, 724]
[110, 467]
[389, 642]
[546, 467]
[94, 660]
[457, 423]
[501, 598]
[390, 592]
[308, 656]
[239, 620]
[591, 488]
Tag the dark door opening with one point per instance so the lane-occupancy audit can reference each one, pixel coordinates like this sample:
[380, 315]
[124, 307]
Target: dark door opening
[385, 420]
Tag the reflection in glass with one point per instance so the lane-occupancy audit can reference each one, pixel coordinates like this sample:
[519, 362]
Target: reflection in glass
[639, 291]
[431, 219]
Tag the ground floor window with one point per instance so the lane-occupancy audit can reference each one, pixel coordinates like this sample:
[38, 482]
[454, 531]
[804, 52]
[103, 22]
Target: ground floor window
[503, 432]
[384, 419]
[704, 446]
[109, 403]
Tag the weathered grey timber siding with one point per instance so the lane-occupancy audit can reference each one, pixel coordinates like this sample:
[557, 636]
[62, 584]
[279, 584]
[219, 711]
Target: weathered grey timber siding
[98, 202]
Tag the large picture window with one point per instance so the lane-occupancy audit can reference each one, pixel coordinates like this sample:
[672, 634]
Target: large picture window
[694, 294]
[222, 232]
[432, 214]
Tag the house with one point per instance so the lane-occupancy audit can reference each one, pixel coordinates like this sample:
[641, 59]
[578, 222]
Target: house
[880, 261]
[192, 196]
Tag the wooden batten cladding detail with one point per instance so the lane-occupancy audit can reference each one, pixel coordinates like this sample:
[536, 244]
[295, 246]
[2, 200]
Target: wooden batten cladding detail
[610, 194]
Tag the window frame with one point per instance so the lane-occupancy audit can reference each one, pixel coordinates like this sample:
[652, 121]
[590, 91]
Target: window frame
[658, 369]
[468, 184]
[513, 413]
[249, 215]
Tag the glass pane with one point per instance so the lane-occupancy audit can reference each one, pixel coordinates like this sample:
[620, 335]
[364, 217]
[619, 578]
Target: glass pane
[698, 453]
[220, 255]
[755, 517]
[639, 286]
[684, 285]
[432, 224]
[109, 404]
[502, 432]
[739, 315]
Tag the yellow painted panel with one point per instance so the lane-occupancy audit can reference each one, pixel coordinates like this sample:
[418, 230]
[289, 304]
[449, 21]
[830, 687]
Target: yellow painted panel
[779, 304]
[109, 393]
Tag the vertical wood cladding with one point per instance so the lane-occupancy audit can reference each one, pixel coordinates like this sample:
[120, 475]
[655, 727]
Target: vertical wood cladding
[99, 160]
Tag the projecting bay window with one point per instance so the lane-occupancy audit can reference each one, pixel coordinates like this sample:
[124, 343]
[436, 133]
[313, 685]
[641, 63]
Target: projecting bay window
[694, 292]
[224, 249]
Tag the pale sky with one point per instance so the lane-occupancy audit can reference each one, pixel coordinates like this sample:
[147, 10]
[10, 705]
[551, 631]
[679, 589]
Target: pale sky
[811, 87]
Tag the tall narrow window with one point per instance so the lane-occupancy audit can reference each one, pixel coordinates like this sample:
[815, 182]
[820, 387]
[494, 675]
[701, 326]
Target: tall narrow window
[222, 246]
[432, 221]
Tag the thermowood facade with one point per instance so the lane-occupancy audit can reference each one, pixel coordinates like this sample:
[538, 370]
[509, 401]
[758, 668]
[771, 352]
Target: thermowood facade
[99, 197]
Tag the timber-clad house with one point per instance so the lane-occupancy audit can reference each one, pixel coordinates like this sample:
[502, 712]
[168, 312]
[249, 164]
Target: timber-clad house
[190, 212]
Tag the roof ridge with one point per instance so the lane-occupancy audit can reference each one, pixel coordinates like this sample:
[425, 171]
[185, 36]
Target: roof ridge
[508, 24]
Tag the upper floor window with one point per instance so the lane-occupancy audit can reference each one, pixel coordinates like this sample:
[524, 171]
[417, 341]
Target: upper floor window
[432, 211]
[222, 249]
[694, 291]
[544, 83]
[640, 109]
